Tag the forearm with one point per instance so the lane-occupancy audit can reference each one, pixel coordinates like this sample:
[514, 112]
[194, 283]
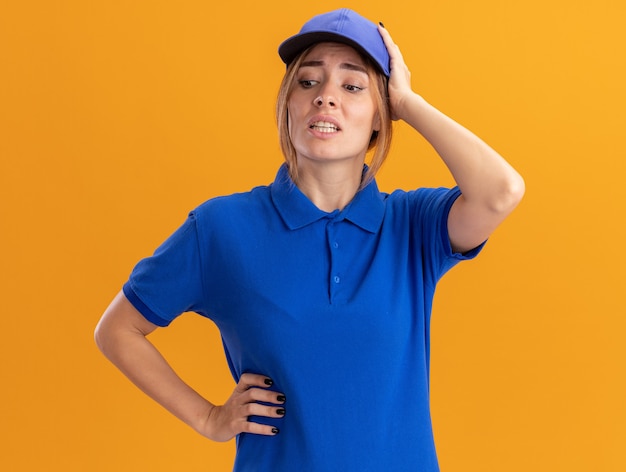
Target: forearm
[483, 176]
[140, 361]
[125, 344]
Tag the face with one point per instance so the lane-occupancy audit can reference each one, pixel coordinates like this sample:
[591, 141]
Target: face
[332, 110]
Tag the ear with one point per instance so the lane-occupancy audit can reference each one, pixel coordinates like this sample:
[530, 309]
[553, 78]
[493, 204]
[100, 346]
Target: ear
[376, 122]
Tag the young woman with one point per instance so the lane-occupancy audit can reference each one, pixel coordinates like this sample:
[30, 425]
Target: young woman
[320, 284]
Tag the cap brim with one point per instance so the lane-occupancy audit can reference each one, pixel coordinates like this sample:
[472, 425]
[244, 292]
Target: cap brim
[291, 47]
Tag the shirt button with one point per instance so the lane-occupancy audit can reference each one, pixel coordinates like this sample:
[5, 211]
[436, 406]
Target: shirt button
[337, 279]
[336, 245]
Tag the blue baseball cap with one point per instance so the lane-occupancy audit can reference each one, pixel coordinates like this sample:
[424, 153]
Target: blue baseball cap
[342, 26]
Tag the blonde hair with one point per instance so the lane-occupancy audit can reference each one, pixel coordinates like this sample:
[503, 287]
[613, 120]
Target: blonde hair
[380, 141]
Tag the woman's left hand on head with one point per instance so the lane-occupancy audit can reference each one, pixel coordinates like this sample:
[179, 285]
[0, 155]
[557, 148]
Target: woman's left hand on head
[400, 76]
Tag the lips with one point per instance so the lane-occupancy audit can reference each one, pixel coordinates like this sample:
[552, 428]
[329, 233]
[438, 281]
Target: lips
[324, 124]
[324, 127]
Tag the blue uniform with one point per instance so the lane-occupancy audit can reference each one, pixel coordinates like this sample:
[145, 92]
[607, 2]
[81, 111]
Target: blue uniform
[334, 307]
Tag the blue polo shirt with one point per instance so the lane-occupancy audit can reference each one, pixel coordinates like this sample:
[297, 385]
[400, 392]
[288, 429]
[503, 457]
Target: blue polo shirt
[334, 307]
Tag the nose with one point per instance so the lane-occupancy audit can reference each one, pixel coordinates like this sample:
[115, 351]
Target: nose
[326, 98]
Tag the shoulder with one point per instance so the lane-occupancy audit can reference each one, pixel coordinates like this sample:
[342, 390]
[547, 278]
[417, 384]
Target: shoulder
[423, 200]
[234, 206]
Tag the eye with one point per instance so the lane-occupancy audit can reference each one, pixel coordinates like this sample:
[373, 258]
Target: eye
[353, 88]
[305, 83]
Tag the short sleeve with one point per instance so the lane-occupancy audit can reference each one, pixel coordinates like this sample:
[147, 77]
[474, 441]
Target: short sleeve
[431, 209]
[170, 282]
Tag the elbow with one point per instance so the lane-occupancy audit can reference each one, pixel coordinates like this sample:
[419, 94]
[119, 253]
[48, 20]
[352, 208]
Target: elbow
[509, 195]
[100, 336]
[111, 327]
[516, 190]
[106, 336]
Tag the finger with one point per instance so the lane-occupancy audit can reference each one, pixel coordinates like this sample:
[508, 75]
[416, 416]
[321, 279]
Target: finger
[256, 428]
[256, 409]
[392, 47]
[385, 35]
[395, 55]
[263, 395]
[249, 380]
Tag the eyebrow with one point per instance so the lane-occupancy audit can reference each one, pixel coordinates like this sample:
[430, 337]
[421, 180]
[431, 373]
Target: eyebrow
[343, 65]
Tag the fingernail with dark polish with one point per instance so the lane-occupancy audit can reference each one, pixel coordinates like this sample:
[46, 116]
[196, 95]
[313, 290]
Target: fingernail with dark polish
[281, 398]
[280, 411]
[269, 382]
[275, 430]
[381, 24]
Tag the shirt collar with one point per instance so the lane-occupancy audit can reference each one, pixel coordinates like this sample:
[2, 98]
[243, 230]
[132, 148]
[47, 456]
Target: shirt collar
[366, 210]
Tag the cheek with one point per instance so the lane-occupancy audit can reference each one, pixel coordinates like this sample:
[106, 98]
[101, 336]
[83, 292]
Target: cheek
[293, 127]
[370, 120]
[290, 118]
[367, 114]
[295, 116]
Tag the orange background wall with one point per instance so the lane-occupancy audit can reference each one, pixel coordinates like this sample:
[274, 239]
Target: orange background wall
[118, 117]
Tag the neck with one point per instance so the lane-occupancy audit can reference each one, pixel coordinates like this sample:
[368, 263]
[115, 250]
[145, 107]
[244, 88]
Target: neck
[332, 186]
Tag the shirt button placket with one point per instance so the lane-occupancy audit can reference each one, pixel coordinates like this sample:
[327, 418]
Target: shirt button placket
[335, 278]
